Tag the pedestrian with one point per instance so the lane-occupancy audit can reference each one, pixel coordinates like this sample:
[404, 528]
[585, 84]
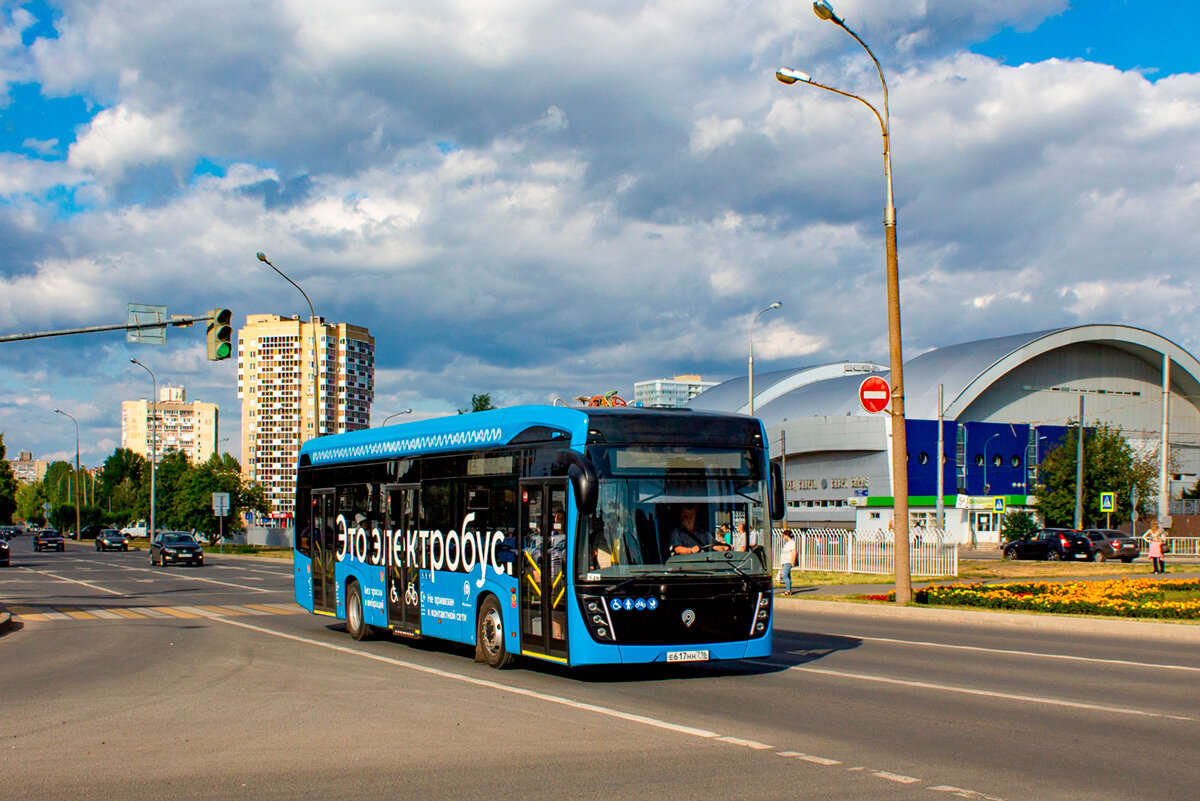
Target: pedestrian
[787, 560]
[1155, 539]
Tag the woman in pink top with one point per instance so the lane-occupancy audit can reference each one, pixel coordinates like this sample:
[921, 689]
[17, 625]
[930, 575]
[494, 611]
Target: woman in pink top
[1155, 537]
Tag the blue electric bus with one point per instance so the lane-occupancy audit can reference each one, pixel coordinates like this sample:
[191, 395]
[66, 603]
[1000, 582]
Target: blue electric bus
[543, 532]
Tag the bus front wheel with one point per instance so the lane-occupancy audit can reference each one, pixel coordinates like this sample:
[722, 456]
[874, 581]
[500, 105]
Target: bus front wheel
[356, 624]
[489, 635]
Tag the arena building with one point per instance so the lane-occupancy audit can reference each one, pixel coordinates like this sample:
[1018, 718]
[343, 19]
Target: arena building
[1007, 402]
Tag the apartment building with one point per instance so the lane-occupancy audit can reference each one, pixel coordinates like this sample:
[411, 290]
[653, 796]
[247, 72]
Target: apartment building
[172, 424]
[275, 374]
[670, 392]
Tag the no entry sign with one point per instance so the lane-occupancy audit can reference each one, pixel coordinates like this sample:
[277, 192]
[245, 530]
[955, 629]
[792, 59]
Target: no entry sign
[874, 394]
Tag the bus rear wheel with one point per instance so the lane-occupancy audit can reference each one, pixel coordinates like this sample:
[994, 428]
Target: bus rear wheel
[356, 625]
[489, 635]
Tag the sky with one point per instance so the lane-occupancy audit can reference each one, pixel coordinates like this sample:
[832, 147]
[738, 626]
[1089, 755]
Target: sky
[541, 198]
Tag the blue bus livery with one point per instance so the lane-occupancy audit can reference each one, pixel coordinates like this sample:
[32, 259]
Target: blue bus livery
[555, 533]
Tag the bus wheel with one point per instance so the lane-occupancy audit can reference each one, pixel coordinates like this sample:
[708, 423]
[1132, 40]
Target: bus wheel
[355, 623]
[489, 635]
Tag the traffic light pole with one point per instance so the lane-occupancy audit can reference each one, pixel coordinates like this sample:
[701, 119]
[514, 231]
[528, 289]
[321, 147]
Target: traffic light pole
[174, 322]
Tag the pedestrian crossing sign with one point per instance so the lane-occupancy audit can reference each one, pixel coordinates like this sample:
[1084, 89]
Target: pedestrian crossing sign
[1107, 501]
[997, 504]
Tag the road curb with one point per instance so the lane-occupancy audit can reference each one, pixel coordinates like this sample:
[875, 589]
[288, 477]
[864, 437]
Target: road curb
[1160, 630]
[5, 622]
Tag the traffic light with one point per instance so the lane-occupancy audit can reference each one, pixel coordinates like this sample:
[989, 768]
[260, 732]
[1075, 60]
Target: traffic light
[219, 334]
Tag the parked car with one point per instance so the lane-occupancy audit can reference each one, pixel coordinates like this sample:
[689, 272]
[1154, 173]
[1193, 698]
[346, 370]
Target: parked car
[1110, 544]
[5, 558]
[169, 547]
[110, 539]
[137, 529]
[49, 538]
[1052, 544]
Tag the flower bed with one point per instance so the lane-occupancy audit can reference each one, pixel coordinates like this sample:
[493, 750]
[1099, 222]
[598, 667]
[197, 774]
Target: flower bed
[1171, 599]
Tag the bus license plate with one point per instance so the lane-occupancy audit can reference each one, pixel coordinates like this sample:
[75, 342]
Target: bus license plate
[687, 656]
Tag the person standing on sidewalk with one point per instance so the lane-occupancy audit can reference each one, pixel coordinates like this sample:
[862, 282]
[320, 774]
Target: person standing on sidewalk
[1155, 538]
[787, 560]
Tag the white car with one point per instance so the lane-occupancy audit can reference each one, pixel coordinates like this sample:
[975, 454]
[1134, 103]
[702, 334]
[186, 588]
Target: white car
[137, 529]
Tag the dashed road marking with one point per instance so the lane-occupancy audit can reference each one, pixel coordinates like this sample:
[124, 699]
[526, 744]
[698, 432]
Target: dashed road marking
[108, 613]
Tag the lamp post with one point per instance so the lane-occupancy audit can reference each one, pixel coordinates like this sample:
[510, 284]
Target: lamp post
[394, 414]
[987, 487]
[312, 318]
[153, 440]
[76, 422]
[774, 305]
[824, 10]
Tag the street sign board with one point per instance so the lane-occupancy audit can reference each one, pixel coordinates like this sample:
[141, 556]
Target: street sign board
[997, 504]
[1108, 502]
[220, 503]
[140, 314]
[874, 394]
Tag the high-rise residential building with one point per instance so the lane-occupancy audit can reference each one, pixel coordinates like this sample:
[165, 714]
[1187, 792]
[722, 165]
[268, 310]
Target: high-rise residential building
[669, 392]
[174, 423]
[275, 384]
[28, 470]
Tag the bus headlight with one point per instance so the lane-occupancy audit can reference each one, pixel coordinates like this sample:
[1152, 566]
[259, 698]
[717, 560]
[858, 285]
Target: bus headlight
[597, 618]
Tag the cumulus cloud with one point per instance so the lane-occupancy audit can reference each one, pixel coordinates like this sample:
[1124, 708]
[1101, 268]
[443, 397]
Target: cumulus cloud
[552, 199]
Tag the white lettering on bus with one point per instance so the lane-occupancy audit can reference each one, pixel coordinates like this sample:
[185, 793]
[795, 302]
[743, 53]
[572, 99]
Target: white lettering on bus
[421, 548]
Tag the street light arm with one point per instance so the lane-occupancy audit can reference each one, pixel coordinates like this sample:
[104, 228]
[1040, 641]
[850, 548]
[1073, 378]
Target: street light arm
[786, 75]
[263, 258]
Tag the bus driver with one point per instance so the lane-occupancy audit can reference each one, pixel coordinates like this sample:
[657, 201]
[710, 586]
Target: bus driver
[686, 538]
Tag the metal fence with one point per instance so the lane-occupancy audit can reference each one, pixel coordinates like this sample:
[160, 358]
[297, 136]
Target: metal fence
[931, 553]
[1181, 546]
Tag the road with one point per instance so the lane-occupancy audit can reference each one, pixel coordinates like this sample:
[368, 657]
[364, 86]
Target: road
[130, 682]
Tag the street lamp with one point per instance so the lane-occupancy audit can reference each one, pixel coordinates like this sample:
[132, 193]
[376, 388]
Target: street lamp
[153, 439]
[395, 414]
[76, 422]
[774, 305]
[312, 318]
[824, 10]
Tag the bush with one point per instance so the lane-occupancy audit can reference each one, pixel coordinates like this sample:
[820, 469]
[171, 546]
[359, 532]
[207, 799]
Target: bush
[1017, 526]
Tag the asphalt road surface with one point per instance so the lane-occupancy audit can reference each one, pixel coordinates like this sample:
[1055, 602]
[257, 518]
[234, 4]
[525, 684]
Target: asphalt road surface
[125, 681]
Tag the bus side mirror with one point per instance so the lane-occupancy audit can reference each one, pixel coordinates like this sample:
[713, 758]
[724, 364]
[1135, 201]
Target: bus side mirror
[778, 505]
[584, 480]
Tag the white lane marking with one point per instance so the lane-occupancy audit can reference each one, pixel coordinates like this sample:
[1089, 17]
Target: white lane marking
[961, 793]
[894, 777]
[445, 674]
[73, 581]
[925, 685]
[747, 743]
[1013, 652]
[163, 572]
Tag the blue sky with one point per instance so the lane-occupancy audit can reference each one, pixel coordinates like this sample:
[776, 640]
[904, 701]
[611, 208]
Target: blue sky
[561, 198]
[1158, 38]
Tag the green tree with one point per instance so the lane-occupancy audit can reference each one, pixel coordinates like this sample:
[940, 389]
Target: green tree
[193, 503]
[1109, 465]
[1018, 526]
[8, 487]
[58, 483]
[171, 479]
[30, 498]
[479, 403]
[124, 468]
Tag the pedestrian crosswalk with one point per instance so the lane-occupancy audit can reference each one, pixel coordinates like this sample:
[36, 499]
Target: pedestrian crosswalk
[100, 612]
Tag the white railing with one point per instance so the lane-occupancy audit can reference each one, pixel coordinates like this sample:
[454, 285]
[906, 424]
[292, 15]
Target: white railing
[1180, 546]
[870, 551]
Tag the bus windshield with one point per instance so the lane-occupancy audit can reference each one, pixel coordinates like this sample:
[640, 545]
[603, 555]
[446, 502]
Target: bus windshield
[639, 521]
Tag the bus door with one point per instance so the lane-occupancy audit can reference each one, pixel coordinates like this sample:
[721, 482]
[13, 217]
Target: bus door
[542, 569]
[404, 580]
[324, 551]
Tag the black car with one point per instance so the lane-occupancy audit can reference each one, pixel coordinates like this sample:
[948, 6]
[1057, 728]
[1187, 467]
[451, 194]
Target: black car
[169, 547]
[1111, 544]
[4, 549]
[110, 539]
[1051, 544]
[48, 538]
[90, 532]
